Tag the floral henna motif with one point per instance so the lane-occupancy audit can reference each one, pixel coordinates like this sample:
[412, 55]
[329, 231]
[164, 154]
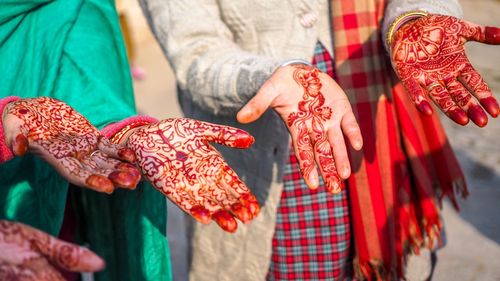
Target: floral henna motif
[429, 52]
[64, 138]
[176, 157]
[312, 113]
[29, 254]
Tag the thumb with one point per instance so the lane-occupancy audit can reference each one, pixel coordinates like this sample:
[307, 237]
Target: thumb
[258, 104]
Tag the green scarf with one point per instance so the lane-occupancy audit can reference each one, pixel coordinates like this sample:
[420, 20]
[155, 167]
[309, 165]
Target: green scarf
[72, 50]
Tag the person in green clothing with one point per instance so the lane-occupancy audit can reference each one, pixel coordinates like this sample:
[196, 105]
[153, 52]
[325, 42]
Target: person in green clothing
[72, 51]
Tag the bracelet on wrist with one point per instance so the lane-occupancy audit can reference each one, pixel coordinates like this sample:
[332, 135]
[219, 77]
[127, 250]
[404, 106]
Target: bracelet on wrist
[399, 21]
[117, 138]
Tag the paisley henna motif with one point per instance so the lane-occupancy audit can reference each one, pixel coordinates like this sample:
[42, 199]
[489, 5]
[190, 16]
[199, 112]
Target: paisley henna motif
[65, 139]
[176, 157]
[29, 254]
[431, 49]
[309, 121]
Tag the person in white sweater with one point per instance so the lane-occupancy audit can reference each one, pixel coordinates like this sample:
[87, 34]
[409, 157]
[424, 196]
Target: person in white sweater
[237, 60]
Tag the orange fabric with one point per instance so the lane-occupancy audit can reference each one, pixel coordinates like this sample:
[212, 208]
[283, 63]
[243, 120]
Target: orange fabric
[406, 164]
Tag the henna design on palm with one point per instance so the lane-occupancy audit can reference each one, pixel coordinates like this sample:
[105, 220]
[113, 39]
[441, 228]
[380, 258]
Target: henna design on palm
[29, 254]
[308, 121]
[429, 57]
[65, 139]
[176, 157]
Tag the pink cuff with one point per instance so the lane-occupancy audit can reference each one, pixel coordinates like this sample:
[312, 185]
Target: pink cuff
[111, 129]
[6, 153]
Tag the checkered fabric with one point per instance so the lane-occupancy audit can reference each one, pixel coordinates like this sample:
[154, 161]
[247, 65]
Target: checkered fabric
[312, 238]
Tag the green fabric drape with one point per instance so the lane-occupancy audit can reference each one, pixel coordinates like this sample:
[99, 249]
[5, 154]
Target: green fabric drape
[72, 50]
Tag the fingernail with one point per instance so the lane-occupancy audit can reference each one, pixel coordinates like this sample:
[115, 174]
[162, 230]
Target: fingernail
[243, 140]
[241, 212]
[127, 154]
[20, 145]
[333, 185]
[425, 108]
[459, 116]
[100, 183]
[201, 214]
[90, 262]
[225, 221]
[123, 179]
[346, 172]
[251, 203]
[131, 169]
[476, 113]
[492, 34]
[491, 106]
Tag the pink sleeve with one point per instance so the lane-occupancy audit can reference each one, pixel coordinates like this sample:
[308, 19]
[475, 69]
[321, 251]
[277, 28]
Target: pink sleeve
[6, 153]
[111, 129]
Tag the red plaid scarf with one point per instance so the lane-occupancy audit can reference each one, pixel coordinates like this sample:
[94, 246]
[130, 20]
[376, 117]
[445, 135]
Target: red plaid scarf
[406, 165]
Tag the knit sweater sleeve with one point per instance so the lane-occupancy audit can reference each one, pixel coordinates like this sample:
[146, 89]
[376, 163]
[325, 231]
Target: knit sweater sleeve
[209, 66]
[398, 7]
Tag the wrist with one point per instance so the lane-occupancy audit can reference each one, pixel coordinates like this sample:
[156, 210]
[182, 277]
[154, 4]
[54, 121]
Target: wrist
[399, 22]
[119, 132]
[6, 153]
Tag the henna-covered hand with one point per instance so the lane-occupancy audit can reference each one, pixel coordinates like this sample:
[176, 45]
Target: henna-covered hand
[29, 254]
[65, 139]
[318, 115]
[175, 155]
[429, 57]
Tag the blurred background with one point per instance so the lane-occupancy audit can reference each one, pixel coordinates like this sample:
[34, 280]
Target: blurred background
[473, 235]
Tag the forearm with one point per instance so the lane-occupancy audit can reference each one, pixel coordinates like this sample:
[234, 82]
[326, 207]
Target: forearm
[396, 8]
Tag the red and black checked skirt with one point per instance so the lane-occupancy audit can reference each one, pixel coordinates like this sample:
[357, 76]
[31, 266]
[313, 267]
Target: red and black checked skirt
[312, 238]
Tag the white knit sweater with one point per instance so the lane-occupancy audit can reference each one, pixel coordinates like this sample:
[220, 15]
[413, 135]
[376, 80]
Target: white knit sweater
[223, 50]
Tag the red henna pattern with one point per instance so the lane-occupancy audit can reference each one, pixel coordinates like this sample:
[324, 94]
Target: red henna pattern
[431, 49]
[46, 120]
[313, 114]
[27, 254]
[176, 157]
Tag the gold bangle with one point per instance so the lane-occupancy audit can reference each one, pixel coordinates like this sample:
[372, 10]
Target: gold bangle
[399, 21]
[117, 138]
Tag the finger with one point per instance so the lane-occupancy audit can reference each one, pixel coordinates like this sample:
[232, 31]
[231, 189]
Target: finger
[229, 136]
[258, 104]
[476, 85]
[113, 164]
[337, 142]
[478, 33]
[304, 152]
[418, 96]
[464, 99]
[73, 170]
[38, 269]
[443, 100]
[225, 221]
[115, 150]
[326, 163]
[63, 254]
[235, 188]
[351, 130]
[124, 178]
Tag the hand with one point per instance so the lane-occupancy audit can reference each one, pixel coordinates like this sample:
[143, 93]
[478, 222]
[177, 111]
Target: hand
[65, 139]
[29, 254]
[176, 157]
[318, 115]
[429, 57]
